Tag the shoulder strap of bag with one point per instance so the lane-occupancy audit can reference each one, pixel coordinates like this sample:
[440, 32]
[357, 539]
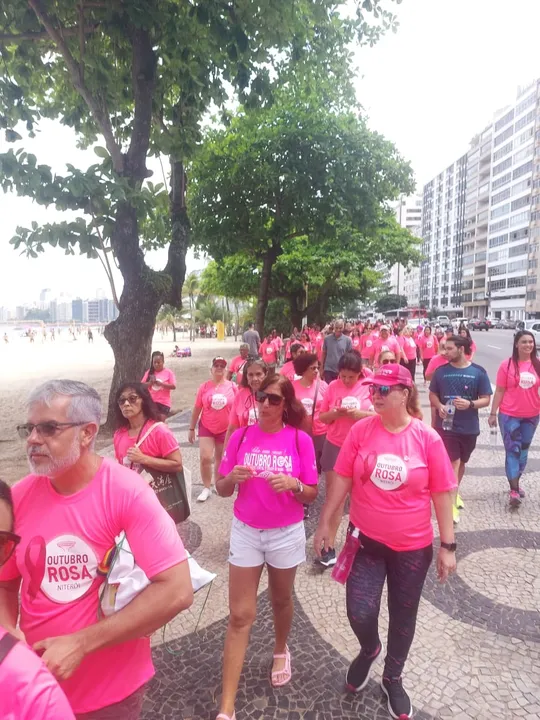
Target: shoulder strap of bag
[7, 643]
[147, 433]
[315, 398]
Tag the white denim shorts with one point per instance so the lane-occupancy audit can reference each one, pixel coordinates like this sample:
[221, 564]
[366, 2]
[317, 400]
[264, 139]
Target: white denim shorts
[281, 548]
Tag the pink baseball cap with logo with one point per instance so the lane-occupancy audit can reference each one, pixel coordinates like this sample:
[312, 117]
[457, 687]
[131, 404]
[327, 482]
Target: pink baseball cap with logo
[390, 374]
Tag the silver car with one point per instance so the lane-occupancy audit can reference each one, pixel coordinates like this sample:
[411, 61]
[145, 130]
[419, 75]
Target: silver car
[533, 326]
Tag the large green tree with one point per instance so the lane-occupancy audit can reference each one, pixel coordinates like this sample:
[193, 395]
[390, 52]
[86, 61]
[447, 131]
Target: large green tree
[137, 77]
[296, 194]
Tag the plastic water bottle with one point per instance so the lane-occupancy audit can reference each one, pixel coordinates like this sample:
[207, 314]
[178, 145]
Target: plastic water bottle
[493, 436]
[448, 420]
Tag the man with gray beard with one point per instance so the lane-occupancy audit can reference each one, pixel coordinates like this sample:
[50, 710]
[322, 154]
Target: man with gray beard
[69, 511]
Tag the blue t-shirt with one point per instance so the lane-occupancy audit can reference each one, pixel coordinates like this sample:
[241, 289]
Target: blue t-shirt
[469, 383]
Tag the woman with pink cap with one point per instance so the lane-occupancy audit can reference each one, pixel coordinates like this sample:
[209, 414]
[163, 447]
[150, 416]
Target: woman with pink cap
[213, 404]
[393, 467]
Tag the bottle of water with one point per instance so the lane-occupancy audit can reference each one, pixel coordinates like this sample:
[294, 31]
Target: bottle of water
[448, 420]
[493, 436]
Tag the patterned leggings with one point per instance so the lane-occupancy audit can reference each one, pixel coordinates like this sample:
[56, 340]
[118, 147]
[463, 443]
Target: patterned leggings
[517, 434]
[405, 573]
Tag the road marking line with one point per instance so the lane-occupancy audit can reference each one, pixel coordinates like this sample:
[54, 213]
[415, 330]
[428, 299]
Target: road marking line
[495, 347]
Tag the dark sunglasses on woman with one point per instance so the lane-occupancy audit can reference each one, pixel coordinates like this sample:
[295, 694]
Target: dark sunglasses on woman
[273, 399]
[8, 543]
[383, 390]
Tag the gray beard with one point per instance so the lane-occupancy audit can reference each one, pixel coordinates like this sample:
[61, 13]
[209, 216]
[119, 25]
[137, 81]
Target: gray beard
[57, 466]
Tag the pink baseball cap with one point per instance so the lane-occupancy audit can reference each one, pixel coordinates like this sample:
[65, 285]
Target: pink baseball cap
[390, 374]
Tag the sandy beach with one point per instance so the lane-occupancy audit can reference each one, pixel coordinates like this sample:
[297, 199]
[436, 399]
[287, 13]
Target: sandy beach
[24, 365]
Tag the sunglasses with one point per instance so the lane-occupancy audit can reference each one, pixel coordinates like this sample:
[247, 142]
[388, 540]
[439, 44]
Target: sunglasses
[273, 399]
[383, 390]
[45, 429]
[388, 361]
[131, 399]
[8, 543]
[314, 368]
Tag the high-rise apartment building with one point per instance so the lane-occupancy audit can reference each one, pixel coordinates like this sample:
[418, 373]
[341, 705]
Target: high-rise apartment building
[443, 222]
[397, 279]
[498, 257]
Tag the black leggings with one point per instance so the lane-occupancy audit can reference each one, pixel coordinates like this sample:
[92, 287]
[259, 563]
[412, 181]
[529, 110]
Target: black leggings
[425, 363]
[405, 573]
[411, 367]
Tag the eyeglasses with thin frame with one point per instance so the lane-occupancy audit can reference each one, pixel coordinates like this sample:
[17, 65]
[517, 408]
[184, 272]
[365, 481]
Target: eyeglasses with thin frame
[383, 390]
[46, 429]
[272, 398]
[131, 399]
[8, 543]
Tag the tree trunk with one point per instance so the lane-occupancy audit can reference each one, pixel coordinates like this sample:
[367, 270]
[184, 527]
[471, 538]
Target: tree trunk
[264, 289]
[297, 315]
[174, 333]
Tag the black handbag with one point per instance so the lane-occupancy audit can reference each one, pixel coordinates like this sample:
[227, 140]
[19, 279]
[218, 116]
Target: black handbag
[171, 491]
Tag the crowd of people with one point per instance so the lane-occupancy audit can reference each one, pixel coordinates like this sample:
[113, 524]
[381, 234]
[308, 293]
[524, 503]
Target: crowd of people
[339, 403]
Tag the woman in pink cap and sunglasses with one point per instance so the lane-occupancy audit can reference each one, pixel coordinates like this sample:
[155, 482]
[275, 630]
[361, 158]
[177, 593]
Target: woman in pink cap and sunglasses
[393, 466]
[213, 404]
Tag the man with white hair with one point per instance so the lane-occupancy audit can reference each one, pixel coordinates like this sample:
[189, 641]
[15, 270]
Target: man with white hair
[69, 511]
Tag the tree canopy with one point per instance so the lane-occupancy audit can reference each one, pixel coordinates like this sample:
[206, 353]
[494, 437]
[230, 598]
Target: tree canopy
[137, 77]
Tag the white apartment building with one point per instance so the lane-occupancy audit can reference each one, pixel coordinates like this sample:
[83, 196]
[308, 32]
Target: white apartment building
[399, 280]
[442, 239]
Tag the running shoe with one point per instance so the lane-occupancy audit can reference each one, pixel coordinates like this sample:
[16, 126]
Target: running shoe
[328, 557]
[459, 502]
[521, 493]
[205, 494]
[399, 703]
[514, 498]
[359, 670]
[455, 515]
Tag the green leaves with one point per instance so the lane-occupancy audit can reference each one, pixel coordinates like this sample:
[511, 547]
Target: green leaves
[101, 152]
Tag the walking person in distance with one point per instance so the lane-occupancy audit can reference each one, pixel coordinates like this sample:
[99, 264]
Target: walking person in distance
[335, 345]
[252, 338]
[517, 402]
[457, 391]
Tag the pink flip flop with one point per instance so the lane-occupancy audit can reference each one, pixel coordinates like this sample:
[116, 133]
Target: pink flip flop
[286, 670]
[222, 716]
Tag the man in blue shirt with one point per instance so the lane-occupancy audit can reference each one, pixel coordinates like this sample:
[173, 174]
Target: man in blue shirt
[466, 385]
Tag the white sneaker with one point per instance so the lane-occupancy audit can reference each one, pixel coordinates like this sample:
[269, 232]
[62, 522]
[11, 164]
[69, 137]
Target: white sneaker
[205, 494]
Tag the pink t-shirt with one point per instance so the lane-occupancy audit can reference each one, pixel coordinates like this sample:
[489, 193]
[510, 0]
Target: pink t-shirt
[436, 361]
[289, 451]
[244, 410]
[237, 366]
[306, 395]
[473, 350]
[408, 346]
[29, 691]
[390, 344]
[318, 341]
[394, 476]
[278, 341]
[520, 397]
[269, 352]
[366, 345]
[216, 402]
[354, 398]
[64, 538]
[428, 345]
[356, 342]
[158, 393]
[160, 443]
[288, 370]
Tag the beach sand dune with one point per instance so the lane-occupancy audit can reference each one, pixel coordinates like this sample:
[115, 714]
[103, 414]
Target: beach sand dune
[23, 366]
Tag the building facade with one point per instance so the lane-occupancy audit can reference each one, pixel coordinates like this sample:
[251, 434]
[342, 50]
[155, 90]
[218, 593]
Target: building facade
[443, 223]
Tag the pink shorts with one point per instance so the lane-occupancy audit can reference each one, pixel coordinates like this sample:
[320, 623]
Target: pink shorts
[205, 432]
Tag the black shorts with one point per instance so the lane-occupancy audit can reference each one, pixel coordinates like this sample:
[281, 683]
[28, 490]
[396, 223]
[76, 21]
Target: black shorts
[458, 447]
[163, 409]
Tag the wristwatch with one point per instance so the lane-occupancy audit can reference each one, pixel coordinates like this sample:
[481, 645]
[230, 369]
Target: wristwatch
[449, 546]
[471, 405]
[299, 487]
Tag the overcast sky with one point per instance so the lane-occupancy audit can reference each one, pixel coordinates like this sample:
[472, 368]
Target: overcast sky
[429, 88]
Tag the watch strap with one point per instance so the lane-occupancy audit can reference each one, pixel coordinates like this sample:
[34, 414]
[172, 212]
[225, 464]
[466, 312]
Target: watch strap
[449, 546]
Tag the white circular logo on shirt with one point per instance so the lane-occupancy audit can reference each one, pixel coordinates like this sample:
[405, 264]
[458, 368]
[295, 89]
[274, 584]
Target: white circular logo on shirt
[252, 416]
[527, 380]
[219, 401]
[308, 404]
[269, 350]
[369, 343]
[429, 343]
[70, 569]
[385, 348]
[389, 473]
[156, 387]
[350, 403]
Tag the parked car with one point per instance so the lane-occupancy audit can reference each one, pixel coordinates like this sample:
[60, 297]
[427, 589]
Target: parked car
[443, 320]
[505, 324]
[476, 324]
[533, 326]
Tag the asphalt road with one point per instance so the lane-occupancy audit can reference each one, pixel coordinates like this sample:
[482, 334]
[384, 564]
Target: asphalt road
[493, 347]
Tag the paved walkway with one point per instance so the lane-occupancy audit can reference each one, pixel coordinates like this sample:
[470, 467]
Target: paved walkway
[476, 652]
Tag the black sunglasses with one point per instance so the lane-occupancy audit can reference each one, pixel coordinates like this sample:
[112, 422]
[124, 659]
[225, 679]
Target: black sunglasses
[45, 429]
[388, 361]
[383, 390]
[131, 399]
[273, 399]
[8, 543]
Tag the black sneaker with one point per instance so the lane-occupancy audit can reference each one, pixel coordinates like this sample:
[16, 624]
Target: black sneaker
[399, 704]
[359, 669]
[328, 557]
